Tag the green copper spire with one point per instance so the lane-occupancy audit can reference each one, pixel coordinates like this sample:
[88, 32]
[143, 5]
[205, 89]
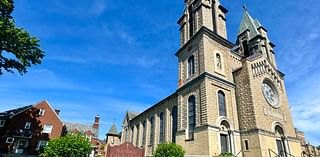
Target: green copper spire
[247, 23]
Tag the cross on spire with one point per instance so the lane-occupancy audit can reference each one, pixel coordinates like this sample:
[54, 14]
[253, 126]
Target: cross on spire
[245, 7]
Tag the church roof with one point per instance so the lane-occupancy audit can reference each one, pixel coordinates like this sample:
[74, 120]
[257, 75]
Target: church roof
[131, 115]
[248, 23]
[113, 130]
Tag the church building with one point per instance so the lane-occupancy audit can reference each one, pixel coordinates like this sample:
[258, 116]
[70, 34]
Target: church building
[231, 97]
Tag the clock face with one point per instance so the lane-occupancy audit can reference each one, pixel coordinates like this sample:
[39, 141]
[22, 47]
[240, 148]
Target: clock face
[270, 94]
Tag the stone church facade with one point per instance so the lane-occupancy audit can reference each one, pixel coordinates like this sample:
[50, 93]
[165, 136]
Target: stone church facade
[230, 97]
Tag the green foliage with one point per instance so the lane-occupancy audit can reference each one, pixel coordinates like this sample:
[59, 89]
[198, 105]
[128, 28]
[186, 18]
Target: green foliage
[71, 145]
[226, 154]
[18, 49]
[169, 150]
[318, 147]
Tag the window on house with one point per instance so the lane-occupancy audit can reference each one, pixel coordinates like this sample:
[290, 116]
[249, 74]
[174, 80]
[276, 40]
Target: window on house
[144, 133]
[151, 130]
[41, 112]
[218, 60]
[191, 116]
[174, 123]
[27, 125]
[161, 138]
[42, 144]
[9, 140]
[2, 122]
[191, 68]
[222, 104]
[47, 129]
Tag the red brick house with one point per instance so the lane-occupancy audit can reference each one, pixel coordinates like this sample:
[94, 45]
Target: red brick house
[28, 129]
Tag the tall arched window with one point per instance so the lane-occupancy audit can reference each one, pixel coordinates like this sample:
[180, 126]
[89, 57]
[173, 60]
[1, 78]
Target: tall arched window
[174, 123]
[191, 68]
[144, 133]
[222, 104]
[162, 121]
[218, 60]
[151, 130]
[281, 141]
[225, 141]
[192, 115]
[138, 135]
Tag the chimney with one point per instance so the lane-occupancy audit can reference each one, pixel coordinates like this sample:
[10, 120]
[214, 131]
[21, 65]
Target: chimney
[96, 122]
[57, 111]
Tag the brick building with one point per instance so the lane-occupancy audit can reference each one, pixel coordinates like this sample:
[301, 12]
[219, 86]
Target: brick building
[231, 97]
[28, 129]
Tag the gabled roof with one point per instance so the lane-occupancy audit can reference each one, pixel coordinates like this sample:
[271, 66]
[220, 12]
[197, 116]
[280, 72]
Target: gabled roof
[131, 115]
[13, 112]
[113, 130]
[82, 128]
[248, 23]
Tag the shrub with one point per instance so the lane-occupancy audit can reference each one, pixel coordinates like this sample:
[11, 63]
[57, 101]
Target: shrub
[226, 154]
[169, 150]
[71, 145]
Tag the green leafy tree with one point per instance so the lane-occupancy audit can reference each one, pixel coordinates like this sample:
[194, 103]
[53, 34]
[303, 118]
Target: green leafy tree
[71, 145]
[318, 147]
[18, 49]
[169, 150]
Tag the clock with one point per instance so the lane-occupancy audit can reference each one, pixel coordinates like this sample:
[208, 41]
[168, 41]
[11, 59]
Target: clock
[270, 94]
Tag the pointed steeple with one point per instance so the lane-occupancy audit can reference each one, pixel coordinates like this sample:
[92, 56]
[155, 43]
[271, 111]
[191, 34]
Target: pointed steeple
[113, 130]
[249, 24]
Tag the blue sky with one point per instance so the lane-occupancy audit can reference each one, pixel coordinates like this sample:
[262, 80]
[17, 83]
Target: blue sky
[104, 56]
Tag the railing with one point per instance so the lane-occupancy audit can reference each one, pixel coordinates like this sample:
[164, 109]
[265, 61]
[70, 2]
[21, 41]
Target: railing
[282, 154]
[238, 153]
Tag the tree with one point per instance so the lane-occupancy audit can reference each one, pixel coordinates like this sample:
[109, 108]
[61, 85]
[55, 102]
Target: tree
[169, 150]
[318, 147]
[71, 145]
[18, 49]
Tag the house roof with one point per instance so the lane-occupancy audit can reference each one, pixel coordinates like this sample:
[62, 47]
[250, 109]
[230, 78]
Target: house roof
[13, 112]
[113, 130]
[82, 128]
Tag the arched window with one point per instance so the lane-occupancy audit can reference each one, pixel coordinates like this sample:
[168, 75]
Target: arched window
[161, 137]
[281, 141]
[138, 135]
[225, 141]
[126, 138]
[222, 104]
[192, 115]
[132, 133]
[151, 130]
[144, 133]
[191, 68]
[218, 60]
[174, 123]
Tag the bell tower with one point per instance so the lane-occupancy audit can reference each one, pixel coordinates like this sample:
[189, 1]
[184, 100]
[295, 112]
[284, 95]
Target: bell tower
[202, 13]
[266, 125]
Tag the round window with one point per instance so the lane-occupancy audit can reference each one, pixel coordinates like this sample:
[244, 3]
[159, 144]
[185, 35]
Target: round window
[270, 94]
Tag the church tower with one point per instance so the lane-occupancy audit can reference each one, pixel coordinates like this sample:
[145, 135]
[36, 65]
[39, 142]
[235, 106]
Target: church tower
[208, 121]
[266, 126]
